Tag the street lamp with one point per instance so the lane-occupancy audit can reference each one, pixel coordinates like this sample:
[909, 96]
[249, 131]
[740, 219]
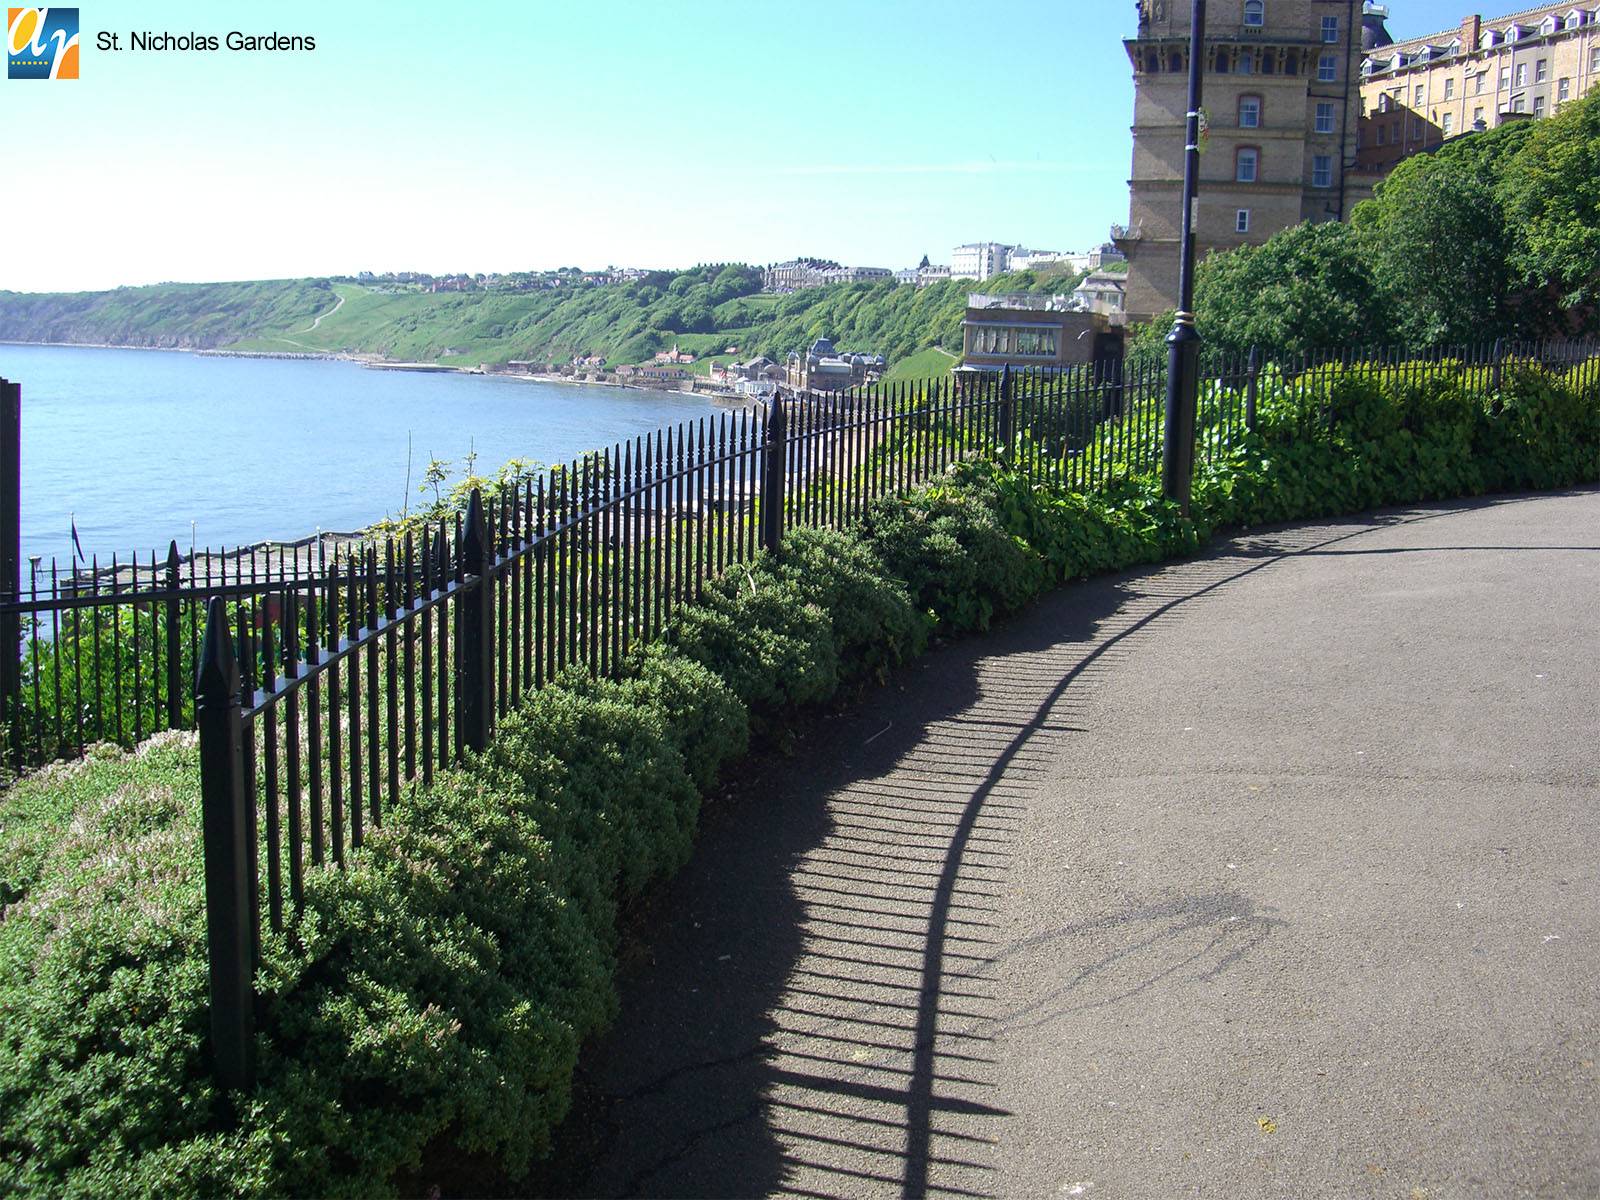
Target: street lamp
[1183, 343]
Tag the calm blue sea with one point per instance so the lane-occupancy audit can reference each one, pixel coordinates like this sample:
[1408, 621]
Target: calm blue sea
[140, 443]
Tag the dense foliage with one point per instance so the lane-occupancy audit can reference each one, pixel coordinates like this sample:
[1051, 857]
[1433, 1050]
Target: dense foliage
[1496, 234]
[437, 993]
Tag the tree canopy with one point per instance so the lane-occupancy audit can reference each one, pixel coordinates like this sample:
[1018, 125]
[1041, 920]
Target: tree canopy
[1495, 234]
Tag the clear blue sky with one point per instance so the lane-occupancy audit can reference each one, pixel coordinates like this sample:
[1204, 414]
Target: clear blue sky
[501, 136]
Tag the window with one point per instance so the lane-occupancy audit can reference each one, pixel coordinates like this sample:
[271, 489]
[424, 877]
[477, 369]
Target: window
[1152, 62]
[1416, 99]
[1222, 62]
[1255, 14]
[1416, 127]
[1479, 82]
[1538, 106]
[1394, 132]
[1563, 89]
[1330, 30]
[1328, 68]
[1522, 74]
[1505, 78]
[1269, 62]
[1176, 65]
[1383, 131]
[1541, 70]
[1322, 171]
[1477, 117]
[1448, 124]
[1594, 59]
[1249, 112]
[1246, 161]
[1519, 105]
[1324, 116]
[1384, 102]
[1291, 63]
[1241, 221]
[1247, 63]
[1450, 88]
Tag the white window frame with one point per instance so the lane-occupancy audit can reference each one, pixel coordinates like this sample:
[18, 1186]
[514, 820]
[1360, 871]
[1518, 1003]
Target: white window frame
[1447, 124]
[1522, 75]
[1330, 31]
[1252, 103]
[1258, 9]
[1450, 88]
[1239, 160]
[1325, 110]
[1322, 170]
[1541, 70]
[1538, 106]
[1241, 221]
[1563, 89]
[1328, 68]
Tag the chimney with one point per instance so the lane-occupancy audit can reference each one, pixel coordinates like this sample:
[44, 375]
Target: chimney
[1471, 29]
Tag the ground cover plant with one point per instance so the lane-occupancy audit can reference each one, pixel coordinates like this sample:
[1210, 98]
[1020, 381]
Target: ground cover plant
[437, 993]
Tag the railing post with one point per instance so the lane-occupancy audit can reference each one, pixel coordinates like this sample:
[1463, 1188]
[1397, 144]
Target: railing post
[1498, 369]
[11, 563]
[772, 475]
[476, 702]
[174, 645]
[1007, 417]
[1252, 384]
[227, 845]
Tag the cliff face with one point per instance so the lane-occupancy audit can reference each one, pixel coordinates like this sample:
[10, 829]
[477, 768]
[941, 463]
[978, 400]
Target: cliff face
[169, 316]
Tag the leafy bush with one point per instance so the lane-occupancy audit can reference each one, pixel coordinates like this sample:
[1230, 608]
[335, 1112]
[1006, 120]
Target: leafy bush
[947, 543]
[759, 635]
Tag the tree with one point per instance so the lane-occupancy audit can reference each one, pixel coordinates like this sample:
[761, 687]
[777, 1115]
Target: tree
[1552, 202]
[1307, 288]
[1441, 251]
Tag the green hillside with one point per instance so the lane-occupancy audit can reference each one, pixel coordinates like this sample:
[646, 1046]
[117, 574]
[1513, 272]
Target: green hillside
[193, 316]
[705, 311]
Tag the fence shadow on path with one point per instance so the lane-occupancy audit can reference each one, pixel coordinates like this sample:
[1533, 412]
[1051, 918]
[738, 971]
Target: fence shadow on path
[816, 1013]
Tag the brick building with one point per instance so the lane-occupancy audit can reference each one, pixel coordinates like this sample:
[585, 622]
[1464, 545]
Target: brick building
[1419, 92]
[1282, 104]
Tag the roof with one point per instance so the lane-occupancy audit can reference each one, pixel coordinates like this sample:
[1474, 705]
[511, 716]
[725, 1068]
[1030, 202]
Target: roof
[1520, 18]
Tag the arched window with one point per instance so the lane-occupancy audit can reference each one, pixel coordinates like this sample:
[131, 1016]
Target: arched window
[1255, 13]
[1246, 164]
[1249, 112]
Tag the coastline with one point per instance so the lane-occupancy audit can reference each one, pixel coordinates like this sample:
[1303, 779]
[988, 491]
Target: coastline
[375, 363]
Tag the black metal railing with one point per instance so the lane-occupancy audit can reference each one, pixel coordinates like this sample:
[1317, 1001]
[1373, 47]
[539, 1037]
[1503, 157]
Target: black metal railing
[327, 686]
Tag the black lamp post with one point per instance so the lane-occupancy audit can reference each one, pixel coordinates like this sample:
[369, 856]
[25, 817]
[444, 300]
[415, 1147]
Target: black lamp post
[1183, 343]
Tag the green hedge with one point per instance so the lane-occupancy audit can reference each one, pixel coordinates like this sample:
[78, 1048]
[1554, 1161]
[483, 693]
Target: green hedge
[438, 992]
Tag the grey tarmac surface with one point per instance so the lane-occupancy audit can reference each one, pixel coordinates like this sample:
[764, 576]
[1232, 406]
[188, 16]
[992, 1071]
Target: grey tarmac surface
[1271, 873]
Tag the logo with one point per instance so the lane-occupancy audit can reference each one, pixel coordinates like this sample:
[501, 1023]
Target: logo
[41, 43]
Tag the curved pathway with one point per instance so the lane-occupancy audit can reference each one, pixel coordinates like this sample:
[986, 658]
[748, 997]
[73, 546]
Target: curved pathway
[1269, 873]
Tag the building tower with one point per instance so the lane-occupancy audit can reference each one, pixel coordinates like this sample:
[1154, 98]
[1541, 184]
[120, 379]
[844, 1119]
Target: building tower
[1282, 103]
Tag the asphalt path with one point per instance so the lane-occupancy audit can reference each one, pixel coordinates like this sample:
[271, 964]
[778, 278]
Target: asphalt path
[1271, 873]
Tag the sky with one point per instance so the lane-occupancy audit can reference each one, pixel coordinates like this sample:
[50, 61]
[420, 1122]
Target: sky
[494, 136]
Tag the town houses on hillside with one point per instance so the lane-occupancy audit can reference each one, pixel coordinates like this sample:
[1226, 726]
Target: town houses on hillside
[974, 260]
